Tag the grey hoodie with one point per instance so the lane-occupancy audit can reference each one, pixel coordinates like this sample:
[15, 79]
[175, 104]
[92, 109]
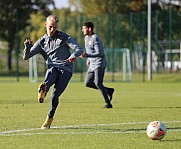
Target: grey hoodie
[55, 50]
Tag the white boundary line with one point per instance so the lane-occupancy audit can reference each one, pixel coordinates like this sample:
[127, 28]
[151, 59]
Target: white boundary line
[27, 132]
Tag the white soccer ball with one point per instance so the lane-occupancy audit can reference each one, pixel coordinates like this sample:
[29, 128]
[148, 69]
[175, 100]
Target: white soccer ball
[156, 130]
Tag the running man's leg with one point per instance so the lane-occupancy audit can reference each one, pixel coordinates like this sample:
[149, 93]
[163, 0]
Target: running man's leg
[50, 78]
[60, 85]
[98, 79]
[110, 92]
[89, 82]
[89, 79]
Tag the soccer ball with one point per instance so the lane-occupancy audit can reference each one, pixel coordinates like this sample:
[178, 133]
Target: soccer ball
[156, 130]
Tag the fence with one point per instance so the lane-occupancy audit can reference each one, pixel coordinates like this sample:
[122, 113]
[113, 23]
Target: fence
[119, 31]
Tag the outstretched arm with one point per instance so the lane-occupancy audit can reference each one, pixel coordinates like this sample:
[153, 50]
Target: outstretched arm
[30, 50]
[26, 52]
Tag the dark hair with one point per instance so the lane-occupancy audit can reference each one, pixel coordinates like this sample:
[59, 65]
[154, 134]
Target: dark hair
[89, 25]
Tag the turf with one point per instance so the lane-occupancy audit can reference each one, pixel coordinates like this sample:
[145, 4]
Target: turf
[80, 121]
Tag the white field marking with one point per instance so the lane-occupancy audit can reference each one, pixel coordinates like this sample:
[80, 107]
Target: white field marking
[26, 132]
[69, 133]
[81, 133]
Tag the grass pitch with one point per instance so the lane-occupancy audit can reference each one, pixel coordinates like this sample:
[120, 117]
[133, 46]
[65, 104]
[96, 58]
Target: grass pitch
[80, 121]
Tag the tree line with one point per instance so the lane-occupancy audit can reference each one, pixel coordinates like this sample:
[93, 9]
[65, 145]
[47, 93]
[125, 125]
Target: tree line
[24, 19]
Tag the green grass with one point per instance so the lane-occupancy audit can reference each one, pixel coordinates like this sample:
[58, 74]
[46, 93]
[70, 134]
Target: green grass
[80, 121]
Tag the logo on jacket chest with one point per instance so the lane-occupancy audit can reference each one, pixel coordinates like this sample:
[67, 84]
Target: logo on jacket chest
[52, 44]
[58, 41]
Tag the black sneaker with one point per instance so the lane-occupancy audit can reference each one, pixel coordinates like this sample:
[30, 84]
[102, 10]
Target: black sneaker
[111, 91]
[108, 106]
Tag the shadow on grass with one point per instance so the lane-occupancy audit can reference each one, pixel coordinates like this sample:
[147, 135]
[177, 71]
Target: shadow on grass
[172, 140]
[17, 101]
[116, 130]
[156, 107]
[106, 129]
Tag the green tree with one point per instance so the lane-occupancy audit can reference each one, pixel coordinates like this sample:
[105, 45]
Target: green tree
[35, 29]
[14, 16]
[108, 6]
[98, 7]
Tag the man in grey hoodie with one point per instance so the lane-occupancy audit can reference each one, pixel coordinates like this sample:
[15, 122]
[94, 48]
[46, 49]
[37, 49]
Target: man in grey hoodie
[96, 62]
[54, 46]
